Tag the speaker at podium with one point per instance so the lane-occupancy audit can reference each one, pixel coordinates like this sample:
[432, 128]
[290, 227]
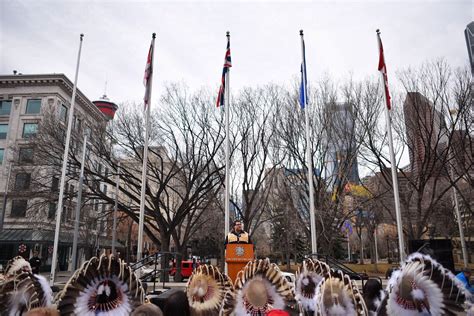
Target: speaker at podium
[237, 256]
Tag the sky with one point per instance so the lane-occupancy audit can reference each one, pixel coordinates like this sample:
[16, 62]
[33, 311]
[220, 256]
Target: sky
[43, 37]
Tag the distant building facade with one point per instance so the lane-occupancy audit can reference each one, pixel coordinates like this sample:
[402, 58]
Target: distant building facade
[28, 214]
[469, 34]
[341, 156]
[426, 134]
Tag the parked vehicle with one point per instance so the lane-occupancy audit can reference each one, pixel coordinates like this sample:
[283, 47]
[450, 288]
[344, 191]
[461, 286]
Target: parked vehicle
[290, 277]
[186, 268]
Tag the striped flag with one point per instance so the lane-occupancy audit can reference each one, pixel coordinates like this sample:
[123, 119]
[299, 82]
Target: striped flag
[148, 74]
[304, 81]
[227, 65]
[383, 69]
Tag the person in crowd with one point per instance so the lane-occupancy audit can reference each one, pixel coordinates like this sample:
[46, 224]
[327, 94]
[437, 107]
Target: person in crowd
[177, 304]
[278, 312]
[35, 263]
[238, 235]
[147, 309]
[371, 292]
[43, 311]
[464, 276]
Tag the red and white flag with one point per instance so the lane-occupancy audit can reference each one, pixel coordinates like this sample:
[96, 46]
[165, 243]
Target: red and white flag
[148, 73]
[383, 69]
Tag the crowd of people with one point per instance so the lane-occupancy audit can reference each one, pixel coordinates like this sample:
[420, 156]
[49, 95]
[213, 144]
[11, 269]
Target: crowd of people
[106, 285]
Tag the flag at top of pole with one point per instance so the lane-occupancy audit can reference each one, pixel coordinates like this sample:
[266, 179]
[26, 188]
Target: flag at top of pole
[309, 158]
[148, 82]
[227, 65]
[304, 78]
[149, 72]
[383, 69]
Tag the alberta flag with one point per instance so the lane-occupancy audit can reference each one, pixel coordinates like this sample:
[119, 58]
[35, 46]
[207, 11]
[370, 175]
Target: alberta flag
[225, 70]
[304, 82]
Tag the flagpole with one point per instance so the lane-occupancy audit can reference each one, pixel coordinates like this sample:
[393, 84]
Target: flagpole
[114, 223]
[314, 243]
[376, 246]
[145, 159]
[63, 172]
[78, 204]
[227, 145]
[393, 165]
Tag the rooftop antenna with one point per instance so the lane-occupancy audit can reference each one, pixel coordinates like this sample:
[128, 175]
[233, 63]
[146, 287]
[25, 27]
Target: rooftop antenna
[104, 97]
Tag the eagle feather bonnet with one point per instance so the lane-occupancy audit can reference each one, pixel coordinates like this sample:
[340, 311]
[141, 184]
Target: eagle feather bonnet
[103, 286]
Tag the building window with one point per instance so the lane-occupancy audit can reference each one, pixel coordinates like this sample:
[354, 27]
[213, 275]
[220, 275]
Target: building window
[19, 208]
[3, 131]
[33, 106]
[25, 155]
[22, 181]
[52, 210]
[78, 124]
[63, 113]
[30, 130]
[5, 107]
[2, 152]
[55, 184]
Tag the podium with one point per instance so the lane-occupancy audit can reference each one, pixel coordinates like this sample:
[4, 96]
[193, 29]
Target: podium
[237, 256]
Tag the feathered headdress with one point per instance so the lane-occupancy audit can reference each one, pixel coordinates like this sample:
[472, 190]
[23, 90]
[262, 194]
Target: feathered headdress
[421, 286]
[338, 295]
[24, 291]
[308, 276]
[15, 266]
[206, 290]
[259, 288]
[105, 286]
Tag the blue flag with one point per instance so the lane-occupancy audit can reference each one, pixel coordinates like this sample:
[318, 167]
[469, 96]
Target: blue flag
[304, 82]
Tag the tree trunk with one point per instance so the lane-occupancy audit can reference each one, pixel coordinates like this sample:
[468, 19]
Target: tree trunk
[165, 259]
[181, 256]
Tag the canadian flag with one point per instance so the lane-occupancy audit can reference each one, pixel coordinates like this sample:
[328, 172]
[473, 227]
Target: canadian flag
[383, 69]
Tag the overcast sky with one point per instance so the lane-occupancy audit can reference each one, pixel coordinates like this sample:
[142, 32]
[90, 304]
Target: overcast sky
[43, 37]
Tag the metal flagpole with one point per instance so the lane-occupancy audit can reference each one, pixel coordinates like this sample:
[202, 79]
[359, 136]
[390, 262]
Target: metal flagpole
[114, 225]
[348, 247]
[78, 204]
[388, 119]
[145, 159]
[314, 243]
[227, 145]
[63, 173]
[456, 205]
[376, 247]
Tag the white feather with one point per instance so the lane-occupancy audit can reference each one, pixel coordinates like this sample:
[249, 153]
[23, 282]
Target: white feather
[48, 293]
[418, 294]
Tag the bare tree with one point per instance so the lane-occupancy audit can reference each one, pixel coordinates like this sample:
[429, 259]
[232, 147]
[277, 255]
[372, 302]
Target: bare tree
[182, 174]
[421, 116]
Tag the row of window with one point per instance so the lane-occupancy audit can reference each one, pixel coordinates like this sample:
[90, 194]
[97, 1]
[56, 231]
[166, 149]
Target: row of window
[33, 106]
[25, 155]
[29, 130]
[19, 208]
